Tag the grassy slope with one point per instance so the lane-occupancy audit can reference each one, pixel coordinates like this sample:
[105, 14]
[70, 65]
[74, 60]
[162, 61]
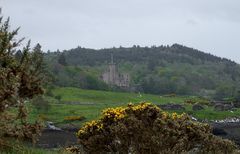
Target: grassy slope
[90, 103]
[106, 97]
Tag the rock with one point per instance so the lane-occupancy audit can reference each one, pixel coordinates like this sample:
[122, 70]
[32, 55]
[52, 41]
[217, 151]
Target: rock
[51, 126]
[223, 107]
[193, 118]
[236, 104]
[228, 120]
[197, 107]
[171, 107]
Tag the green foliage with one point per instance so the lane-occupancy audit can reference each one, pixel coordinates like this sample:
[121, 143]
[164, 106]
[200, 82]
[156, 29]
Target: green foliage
[224, 91]
[198, 100]
[144, 128]
[76, 77]
[26, 148]
[41, 104]
[21, 78]
[58, 97]
[157, 70]
[49, 92]
[156, 85]
[62, 60]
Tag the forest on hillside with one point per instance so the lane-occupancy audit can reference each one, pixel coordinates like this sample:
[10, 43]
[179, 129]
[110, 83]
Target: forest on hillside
[175, 69]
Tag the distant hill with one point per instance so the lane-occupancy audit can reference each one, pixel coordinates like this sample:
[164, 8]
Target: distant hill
[174, 53]
[158, 70]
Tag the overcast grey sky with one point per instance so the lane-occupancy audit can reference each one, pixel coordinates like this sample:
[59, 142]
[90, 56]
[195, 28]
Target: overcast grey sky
[212, 26]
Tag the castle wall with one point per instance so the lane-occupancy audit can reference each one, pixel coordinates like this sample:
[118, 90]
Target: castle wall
[112, 77]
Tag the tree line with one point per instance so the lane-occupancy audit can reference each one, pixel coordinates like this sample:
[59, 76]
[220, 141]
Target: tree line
[158, 70]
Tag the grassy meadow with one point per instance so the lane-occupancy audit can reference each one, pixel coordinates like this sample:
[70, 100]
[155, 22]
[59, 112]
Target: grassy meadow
[89, 103]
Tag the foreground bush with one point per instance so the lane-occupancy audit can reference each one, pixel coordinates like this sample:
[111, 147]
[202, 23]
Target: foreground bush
[21, 78]
[144, 128]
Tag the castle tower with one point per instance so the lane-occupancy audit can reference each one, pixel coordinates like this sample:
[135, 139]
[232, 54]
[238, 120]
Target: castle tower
[112, 71]
[112, 77]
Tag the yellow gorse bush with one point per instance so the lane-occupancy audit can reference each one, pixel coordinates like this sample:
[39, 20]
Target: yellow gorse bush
[119, 113]
[172, 116]
[90, 128]
[110, 114]
[127, 128]
[138, 107]
[114, 113]
[176, 116]
[165, 115]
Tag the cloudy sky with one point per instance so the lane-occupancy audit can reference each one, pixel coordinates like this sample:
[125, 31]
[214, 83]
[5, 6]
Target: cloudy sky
[212, 26]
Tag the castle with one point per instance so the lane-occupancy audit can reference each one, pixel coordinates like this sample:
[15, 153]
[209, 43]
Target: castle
[112, 77]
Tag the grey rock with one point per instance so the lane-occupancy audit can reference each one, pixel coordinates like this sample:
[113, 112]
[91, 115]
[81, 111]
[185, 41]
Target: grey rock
[197, 107]
[171, 107]
[223, 107]
[51, 126]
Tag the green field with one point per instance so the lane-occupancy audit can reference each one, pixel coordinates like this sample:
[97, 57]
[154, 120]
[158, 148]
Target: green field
[90, 103]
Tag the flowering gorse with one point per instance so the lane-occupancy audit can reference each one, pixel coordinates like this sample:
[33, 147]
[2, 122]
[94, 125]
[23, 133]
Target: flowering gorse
[114, 113]
[145, 128]
[138, 107]
[90, 128]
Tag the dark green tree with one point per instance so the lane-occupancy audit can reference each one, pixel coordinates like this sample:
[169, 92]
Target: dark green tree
[62, 59]
[223, 92]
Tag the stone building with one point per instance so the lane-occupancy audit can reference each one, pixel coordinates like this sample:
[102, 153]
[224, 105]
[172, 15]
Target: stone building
[112, 77]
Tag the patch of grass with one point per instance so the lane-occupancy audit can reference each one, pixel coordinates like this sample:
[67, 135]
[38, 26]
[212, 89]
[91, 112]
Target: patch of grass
[27, 148]
[210, 114]
[90, 103]
[95, 96]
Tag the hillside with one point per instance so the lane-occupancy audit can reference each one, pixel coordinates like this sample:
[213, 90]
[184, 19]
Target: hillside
[157, 70]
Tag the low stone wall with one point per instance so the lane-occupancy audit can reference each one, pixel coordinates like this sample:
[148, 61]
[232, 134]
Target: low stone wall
[56, 138]
[229, 131]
